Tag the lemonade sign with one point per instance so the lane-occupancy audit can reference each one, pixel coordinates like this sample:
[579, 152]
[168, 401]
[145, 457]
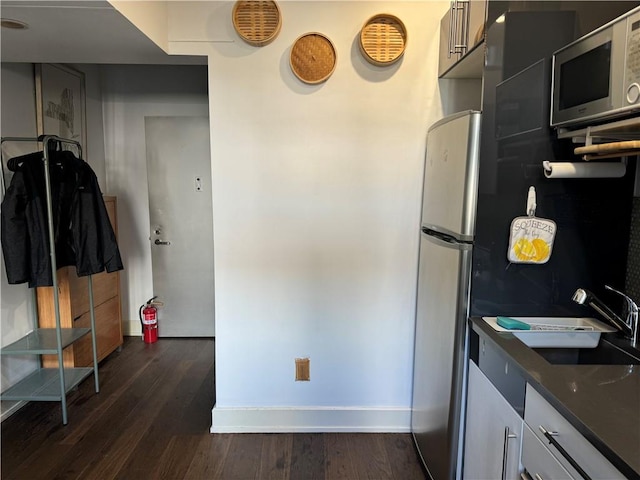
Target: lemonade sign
[531, 238]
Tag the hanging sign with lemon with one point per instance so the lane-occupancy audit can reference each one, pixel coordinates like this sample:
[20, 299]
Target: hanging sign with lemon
[531, 239]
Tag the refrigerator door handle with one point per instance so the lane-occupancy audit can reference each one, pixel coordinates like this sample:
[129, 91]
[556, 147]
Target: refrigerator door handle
[431, 229]
[445, 239]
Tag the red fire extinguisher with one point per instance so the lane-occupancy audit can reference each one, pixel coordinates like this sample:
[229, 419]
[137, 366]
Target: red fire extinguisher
[149, 321]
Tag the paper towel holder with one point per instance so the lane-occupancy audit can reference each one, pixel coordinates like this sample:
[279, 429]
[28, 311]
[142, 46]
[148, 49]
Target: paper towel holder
[568, 170]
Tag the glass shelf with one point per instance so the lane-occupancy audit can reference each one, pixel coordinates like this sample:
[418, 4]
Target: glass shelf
[42, 341]
[44, 384]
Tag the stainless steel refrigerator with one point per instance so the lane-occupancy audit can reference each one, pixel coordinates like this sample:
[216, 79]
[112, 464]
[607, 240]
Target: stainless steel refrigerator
[446, 242]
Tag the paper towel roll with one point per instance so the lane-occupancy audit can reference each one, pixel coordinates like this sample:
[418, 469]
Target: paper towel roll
[583, 169]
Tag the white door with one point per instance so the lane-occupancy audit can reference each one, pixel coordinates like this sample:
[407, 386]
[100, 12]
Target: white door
[181, 224]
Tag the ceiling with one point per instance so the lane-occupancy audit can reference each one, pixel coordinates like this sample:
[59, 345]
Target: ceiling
[78, 32]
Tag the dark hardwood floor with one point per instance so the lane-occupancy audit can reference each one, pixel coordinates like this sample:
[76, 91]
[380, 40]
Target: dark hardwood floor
[151, 421]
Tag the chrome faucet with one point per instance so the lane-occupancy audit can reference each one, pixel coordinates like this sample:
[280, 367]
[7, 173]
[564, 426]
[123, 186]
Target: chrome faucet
[628, 326]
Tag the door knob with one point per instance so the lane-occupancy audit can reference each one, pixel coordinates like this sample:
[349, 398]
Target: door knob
[160, 242]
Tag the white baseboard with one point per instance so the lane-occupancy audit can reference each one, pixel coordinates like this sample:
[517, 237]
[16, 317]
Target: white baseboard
[310, 419]
[131, 329]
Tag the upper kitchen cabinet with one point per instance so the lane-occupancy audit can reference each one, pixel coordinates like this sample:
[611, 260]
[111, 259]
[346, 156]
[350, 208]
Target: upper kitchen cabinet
[462, 31]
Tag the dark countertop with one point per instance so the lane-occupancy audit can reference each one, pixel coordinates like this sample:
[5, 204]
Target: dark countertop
[601, 401]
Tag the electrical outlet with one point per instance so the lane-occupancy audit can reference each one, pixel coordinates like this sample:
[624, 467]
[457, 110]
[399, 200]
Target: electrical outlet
[303, 373]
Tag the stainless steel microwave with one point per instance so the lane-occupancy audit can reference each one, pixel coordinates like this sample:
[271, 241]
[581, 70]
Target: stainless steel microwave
[597, 77]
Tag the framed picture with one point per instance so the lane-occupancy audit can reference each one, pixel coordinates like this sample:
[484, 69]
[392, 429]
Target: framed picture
[60, 102]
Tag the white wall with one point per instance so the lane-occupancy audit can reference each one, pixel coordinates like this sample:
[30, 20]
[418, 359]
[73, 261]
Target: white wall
[316, 207]
[94, 150]
[18, 107]
[130, 93]
[147, 15]
[316, 197]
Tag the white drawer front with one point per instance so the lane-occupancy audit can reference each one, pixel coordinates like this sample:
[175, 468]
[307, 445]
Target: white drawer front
[538, 461]
[538, 414]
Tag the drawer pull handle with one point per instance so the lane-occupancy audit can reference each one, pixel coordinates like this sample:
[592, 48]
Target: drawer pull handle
[464, 31]
[505, 450]
[451, 28]
[552, 441]
[538, 477]
[546, 432]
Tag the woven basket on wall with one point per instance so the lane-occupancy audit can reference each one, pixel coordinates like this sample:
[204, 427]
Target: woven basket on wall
[313, 58]
[383, 39]
[257, 22]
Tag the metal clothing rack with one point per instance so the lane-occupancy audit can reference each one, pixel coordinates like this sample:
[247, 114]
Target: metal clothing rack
[50, 384]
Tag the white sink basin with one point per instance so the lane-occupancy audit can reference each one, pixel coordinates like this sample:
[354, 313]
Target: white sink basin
[557, 332]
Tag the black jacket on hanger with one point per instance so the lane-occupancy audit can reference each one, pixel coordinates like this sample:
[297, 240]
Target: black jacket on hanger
[83, 234]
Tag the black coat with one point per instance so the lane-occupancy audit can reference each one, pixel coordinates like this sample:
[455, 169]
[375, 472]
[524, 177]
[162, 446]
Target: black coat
[83, 234]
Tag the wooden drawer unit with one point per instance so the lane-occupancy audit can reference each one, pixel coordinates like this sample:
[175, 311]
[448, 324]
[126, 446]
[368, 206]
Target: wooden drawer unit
[105, 286]
[73, 292]
[108, 332]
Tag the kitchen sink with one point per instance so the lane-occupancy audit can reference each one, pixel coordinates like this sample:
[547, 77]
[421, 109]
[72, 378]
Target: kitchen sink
[608, 352]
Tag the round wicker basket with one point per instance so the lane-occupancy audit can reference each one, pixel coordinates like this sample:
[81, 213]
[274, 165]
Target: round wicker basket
[313, 58]
[257, 22]
[383, 39]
